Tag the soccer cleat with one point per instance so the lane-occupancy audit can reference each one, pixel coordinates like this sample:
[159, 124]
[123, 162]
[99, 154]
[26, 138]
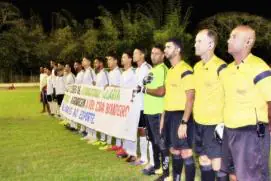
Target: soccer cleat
[159, 171]
[85, 138]
[105, 147]
[131, 159]
[121, 153]
[63, 122]
[96, 143]
[113, 148]
[149, 171]
[164, 178]
[138, 162]
[91, 141]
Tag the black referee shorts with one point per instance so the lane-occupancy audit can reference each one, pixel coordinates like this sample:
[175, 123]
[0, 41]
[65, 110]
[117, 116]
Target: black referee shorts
[142, 120]
[172, 121]
[205, 141]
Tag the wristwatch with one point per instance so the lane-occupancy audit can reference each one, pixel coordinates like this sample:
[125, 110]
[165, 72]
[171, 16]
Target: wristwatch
[183, 122]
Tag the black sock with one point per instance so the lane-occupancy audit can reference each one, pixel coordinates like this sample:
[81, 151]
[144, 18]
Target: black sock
[156, 156]
[177, 163]
[221, 176]
[207, 173]
[165, 162]
[190, 169]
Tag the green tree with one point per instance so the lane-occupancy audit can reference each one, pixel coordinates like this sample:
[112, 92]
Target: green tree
[171, 21]
[223, 24]
[9, 16]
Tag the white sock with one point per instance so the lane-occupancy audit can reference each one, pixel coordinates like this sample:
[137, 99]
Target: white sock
[94, 136]
[82, 128]
[124, 144]
[102, 137]
[143, 149]
[109, 139]
[50, 106]
[151, 154]
[130, 147]
[118, 142]
[73, 125]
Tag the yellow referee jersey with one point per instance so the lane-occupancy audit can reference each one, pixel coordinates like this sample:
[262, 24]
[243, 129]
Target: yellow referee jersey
[247, 90]
[209, 96]
[179, 79]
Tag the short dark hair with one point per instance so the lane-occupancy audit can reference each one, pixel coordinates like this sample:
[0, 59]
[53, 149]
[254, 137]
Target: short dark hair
[77, 61]
[141, 49]
[177, 42]
[159, 46]
[129, 53]
[100, 59]
[113, 54]
[68, 65]
[88, 57]
[213, 35]
[49, 68]
[61, 63]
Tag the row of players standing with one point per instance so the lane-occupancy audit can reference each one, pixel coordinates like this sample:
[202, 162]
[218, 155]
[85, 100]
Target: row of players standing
[215, 94]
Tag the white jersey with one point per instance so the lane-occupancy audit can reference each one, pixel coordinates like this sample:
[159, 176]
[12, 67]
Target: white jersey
[60, 85]
[79, 77]
[142, 72]
[69, 79]
[128, 78]
[102, 78]
[43, 80]
[89, 76]
[50, 87]
[114, 77]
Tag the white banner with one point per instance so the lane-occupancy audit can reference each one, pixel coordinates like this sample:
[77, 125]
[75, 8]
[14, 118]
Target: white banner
[112, 111]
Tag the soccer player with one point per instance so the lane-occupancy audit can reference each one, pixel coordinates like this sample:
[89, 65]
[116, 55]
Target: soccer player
[60, 87]
[49, 89]
[89, 78]
[114, 81]
[153, 109]
[102, 80]
[69, 77]
[142, 71]
[43, 78]
[128, 80]
[79, 72]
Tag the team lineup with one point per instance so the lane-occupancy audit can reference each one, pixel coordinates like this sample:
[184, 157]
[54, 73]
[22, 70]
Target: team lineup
[215, 112]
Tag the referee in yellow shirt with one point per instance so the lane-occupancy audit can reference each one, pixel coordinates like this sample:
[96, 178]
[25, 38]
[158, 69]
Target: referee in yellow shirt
[247, 110]
[177, 124]
[208, 105]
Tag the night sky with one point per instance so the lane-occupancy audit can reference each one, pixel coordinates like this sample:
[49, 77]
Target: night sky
[82, 9]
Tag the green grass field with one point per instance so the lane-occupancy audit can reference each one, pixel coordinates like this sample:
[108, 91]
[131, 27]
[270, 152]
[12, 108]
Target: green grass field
[34, 147]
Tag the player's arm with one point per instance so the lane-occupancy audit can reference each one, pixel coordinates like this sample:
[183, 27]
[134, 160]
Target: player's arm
[158, 92]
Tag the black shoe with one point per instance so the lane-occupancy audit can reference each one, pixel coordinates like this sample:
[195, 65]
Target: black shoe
[161, 178]
[148, 171]
[84, 133]
[73, 129]
[131, 159]
[122, 156]
[67, 126]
